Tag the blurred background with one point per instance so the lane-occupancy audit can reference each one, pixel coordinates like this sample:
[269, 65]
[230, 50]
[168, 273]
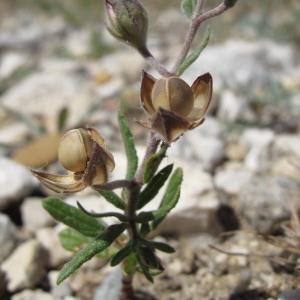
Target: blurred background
[60, 69]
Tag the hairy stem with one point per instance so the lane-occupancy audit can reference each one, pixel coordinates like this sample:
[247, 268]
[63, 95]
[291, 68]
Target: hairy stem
[152, 144]
[197, 20]
[127, 292]
[117, 184]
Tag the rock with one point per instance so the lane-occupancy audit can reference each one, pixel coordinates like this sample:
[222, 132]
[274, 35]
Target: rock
[47, 93]
[235, 149]
[259, 143]
[211, 127]
[110, 89]
[33, 295]
[16, 182]
[60, 291]
[207, 151]
[13, 134]
[111, 286]
[10, 62]
[290, 295]
[264, 201]
[34, 216]
[48, 237]
[248, 64]
[232, 178]
[25, 267]
[230, 106]
[287, 144]
[8, 236]
[287, 166]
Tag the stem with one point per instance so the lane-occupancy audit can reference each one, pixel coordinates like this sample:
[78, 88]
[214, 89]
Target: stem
[152, 144]
[131, 212]
[197, 20]
[127, 292]
[113, 185]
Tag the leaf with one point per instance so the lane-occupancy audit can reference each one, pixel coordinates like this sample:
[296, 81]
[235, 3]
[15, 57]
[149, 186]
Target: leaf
[168, 202]
[153, 163]
[93, 248]
[153, 187]
[112, 198]
[190, 59]
[145, 229]
[132, 158]
[71, 239]
[160, 246]
[230, 3]
[121, 255]
[188, 7]
[62, 119]
[73, 217]
[130, 264]
[145, 271]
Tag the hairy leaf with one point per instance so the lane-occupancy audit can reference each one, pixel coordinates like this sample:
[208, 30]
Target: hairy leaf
[191, 58]
[188, 7]
[132, 158]
[93, 248]
[73, 217]
[168, 202]
[153, 187]
[71, 239]
[112, 198]
[153, 163]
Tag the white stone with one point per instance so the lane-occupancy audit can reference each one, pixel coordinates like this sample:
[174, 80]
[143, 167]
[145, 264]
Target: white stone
[16, 182]
[34, 216]
[26, 266]
[46, 93]
[14, 133]
[232, 178]
[211, 127]
[230, 106]
[33, 295]
[254, 137]
[8, 236]
[11, 62]
[286, 144]
[48, 237]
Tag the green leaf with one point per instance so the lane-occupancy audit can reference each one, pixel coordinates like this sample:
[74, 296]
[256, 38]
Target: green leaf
[130, 264]
[121, 255]
[168, 202]
[153, 163]
[132, 158]
[160, 246]
[73, 217]
[191, 58]
[93, 248]
[62, 119]
[153, 187]
[71, 239]
[112, 198]
[188, 7]
[145, 271]
[145, 229]
[230, 3]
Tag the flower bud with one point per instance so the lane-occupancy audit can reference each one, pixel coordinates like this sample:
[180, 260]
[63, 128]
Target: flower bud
[127, 20]
[174, 95]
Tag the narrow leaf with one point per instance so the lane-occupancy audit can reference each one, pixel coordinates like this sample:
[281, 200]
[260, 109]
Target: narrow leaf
[132, 158]
[195, 54]
[168, 202]
[188, 7]
[145, 229]
[93, 248]
[160, 246]
[112, 198]
[73, 217]
[145, 271]
[121, 255]
[230, 3]
[71, 239]
[154, 186]
[153, 163]
[62, 119]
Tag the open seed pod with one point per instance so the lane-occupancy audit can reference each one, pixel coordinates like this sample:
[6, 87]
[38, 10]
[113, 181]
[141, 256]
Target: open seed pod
[83, 153]
[173, 105]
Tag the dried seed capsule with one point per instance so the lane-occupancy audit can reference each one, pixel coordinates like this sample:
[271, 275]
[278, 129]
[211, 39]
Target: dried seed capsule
[174, 95]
